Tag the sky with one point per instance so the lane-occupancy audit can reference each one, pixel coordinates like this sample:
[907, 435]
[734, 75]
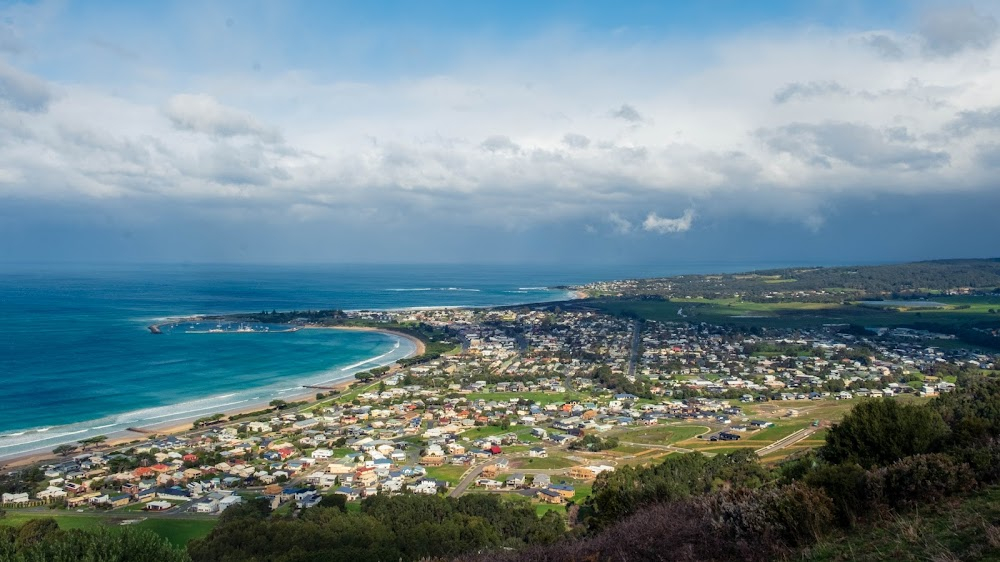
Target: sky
[832, 131]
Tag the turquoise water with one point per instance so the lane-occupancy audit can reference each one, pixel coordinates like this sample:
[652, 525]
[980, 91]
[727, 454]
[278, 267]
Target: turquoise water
[76, 359]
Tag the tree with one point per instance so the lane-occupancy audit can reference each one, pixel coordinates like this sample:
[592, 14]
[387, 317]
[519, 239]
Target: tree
[334, 501]
[63, 450]
[95, 440]
[879, 432]
[278, 404]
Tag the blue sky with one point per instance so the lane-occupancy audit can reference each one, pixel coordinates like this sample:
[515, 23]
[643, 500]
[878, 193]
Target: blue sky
[628, 132]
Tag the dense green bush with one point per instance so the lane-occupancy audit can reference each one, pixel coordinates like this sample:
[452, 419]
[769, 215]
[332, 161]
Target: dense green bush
[879, 432]
[919, 479]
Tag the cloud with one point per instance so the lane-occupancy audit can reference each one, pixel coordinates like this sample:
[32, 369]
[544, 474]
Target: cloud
[619, 224]
[967, 122]
[22, 91]
[948, 31]
[499, 143]
[859, 145]
[655, 223]
[819, 114]
[885, 46]
[988, 156]
[202, 113]
[627, 113]
[574, 140]
[808, 90]
[10, 41]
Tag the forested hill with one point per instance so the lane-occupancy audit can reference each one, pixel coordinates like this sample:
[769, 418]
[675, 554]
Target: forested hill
[827, 284]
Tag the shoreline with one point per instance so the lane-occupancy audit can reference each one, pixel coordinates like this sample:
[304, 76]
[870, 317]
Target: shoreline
[183, 425]
[419, 345]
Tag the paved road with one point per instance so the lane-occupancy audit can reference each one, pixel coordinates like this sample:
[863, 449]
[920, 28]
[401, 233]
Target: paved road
[786, 441]
[634, 352]
[466, 481]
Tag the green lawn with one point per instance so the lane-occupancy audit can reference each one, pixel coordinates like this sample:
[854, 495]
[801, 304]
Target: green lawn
[65, 520]
[450, 473]
[176, 530]
[179, 531]
[780, 430]
[543, 508]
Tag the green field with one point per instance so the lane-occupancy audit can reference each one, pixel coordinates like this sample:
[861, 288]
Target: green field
[176, 530]
[450, 473]
[543, 508]
[179, 531]
[802, 315]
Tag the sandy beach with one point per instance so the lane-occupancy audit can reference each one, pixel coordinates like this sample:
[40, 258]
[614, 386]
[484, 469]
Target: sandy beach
[184, 426]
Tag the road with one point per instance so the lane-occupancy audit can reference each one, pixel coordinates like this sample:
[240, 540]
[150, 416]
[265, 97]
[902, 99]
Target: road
[466, 481]
[786, 441]
[634, 352]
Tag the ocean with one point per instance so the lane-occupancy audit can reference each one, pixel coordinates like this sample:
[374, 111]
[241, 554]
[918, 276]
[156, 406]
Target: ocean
[76, 359]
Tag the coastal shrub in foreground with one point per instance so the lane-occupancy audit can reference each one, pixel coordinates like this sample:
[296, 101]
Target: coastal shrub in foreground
[752, 525]
[880, 432]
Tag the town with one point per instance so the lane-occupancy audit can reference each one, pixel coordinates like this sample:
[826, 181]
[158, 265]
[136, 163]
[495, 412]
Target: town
[533, 402]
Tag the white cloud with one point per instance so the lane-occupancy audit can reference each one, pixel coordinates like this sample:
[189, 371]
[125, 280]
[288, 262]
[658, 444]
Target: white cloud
[204, 114]
[23, 91]
[655, 223]
[619, 224]
[531, 133]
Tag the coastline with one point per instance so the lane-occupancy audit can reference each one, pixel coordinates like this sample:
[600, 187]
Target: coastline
[302, 393]
[183, 425]
[421, 348]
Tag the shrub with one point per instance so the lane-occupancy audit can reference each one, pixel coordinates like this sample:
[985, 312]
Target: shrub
[919, 479]
[845, 484]
[880, 432]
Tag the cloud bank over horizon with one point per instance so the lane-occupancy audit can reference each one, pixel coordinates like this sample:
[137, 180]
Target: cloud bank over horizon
[641, 142]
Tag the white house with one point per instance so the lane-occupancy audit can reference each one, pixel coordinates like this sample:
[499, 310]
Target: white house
[322, 454]
[229, 501]
[15, 498]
